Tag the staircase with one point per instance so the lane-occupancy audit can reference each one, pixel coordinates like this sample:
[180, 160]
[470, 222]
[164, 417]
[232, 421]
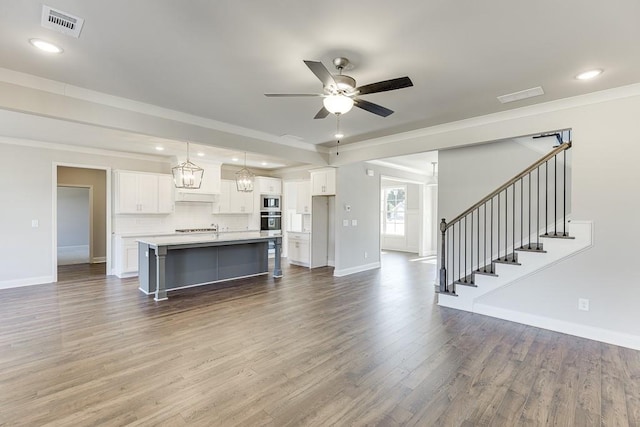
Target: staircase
[518, 229]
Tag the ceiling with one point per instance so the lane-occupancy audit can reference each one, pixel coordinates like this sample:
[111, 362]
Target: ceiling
[216, 59]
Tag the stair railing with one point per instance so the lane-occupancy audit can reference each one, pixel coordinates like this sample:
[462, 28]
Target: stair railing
[486, 233]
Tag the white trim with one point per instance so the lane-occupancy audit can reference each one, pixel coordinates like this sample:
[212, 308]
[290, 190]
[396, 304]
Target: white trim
[82, 149]
[99, 260]
[532, 110]
[571, 328]
[357, 269]
[29, 281]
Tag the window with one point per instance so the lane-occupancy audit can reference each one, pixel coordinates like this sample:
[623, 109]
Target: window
[393, 210]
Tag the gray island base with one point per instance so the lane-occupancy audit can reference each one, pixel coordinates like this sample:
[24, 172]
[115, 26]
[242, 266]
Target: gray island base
[181, 261]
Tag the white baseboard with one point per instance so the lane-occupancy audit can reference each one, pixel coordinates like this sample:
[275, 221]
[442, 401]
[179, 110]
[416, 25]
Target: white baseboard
[584, 331]
[29, 281]
[126, 275]
[98, 260]
[357, 269]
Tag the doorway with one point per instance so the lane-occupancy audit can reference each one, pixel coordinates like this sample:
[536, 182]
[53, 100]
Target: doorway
[81, 223]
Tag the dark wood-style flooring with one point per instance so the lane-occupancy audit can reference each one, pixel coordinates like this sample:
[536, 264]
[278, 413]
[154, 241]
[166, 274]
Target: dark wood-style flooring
[309, 349]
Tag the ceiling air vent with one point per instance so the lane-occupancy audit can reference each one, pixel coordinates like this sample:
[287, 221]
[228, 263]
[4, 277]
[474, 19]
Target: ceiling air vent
[60, 21]
[523, 94]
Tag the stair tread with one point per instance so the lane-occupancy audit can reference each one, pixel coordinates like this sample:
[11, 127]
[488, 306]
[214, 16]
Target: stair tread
[532, 247]
[557, 236]
[466, 281]
[488, 272]
[510, 259]
[451, 294]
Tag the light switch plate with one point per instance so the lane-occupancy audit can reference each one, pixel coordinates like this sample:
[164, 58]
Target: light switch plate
[35, 223]
[345, 222]
[354, 222]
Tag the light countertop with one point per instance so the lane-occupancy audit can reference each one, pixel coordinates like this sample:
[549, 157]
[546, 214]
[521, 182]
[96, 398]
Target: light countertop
[195, 238]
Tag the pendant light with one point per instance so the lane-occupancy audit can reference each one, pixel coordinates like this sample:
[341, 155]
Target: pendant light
[187, 174]
[245, 178]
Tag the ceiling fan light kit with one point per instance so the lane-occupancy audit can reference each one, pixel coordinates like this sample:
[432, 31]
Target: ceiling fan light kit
[338, 104]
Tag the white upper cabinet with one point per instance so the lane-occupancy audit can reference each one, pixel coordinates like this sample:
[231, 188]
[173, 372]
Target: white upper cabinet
[323, 182]
[303, 197]
[232, 201]
[266, 185]
[143, 193]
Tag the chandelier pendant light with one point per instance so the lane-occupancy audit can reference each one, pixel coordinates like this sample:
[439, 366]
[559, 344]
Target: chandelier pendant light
[187, 174]
[245, 178]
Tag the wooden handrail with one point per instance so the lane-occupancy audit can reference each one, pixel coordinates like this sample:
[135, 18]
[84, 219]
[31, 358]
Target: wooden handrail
[552, 154]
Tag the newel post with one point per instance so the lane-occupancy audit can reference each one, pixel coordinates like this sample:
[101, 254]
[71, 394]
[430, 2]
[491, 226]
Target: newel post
[443, 261]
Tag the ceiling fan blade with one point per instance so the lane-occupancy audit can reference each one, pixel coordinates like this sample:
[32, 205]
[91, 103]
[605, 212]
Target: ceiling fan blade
[321, 72]
[372, 108]
[322, 113]
[273, 95]
[385, 85]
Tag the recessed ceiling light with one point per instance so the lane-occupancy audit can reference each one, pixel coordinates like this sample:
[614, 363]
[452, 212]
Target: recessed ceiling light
[339, 135]
[45, 46]
[264, 163]
[588, 75]
[235, 159]
[200, 154]
[159, 148]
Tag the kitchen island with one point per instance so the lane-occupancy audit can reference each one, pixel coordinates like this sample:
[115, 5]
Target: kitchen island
[181, 261]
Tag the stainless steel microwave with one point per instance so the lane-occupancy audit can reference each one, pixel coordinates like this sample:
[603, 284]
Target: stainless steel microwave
[269, 203]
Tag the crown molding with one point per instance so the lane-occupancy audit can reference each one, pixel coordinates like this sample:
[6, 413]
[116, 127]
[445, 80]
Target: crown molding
[84, 150]
[531, 110]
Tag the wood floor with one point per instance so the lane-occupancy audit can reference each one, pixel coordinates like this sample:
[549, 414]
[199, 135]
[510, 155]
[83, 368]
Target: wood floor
[308, 349]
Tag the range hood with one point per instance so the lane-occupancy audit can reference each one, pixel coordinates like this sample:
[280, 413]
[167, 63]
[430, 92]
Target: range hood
[195, 196]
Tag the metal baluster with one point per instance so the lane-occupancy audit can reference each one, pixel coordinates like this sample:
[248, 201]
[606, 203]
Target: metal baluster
[484, 222]
[546, 198]
[529, 194]
[450, 258]
[465, 250]
[491, 232]
[459, 246]
[555, 195]
[564, 194]
[453, 254]
[471, 262]
[513, 221]
[478, 241]
[538, 208]
[521, 214]
[498, 225]
[506, 223]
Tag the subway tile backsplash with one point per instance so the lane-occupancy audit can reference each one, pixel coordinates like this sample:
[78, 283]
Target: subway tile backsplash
[185, 215]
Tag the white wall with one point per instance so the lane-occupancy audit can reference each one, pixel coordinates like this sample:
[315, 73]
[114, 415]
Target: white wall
[26, 253]
[73, 216]
[362, 192]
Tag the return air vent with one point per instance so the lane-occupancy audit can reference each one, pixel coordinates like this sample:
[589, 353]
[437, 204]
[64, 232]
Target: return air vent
[62, 22]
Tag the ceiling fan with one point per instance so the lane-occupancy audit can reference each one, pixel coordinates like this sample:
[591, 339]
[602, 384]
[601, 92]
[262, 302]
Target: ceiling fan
[340, 92]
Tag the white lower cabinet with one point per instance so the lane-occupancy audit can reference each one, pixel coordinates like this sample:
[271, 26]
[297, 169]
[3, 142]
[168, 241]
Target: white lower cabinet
[299, 249]
[125, 256]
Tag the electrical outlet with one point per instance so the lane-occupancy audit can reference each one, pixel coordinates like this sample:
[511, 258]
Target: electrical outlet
[583, 304]
[35, 223]
[345, 222]
[366, 255]
[354, 222]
